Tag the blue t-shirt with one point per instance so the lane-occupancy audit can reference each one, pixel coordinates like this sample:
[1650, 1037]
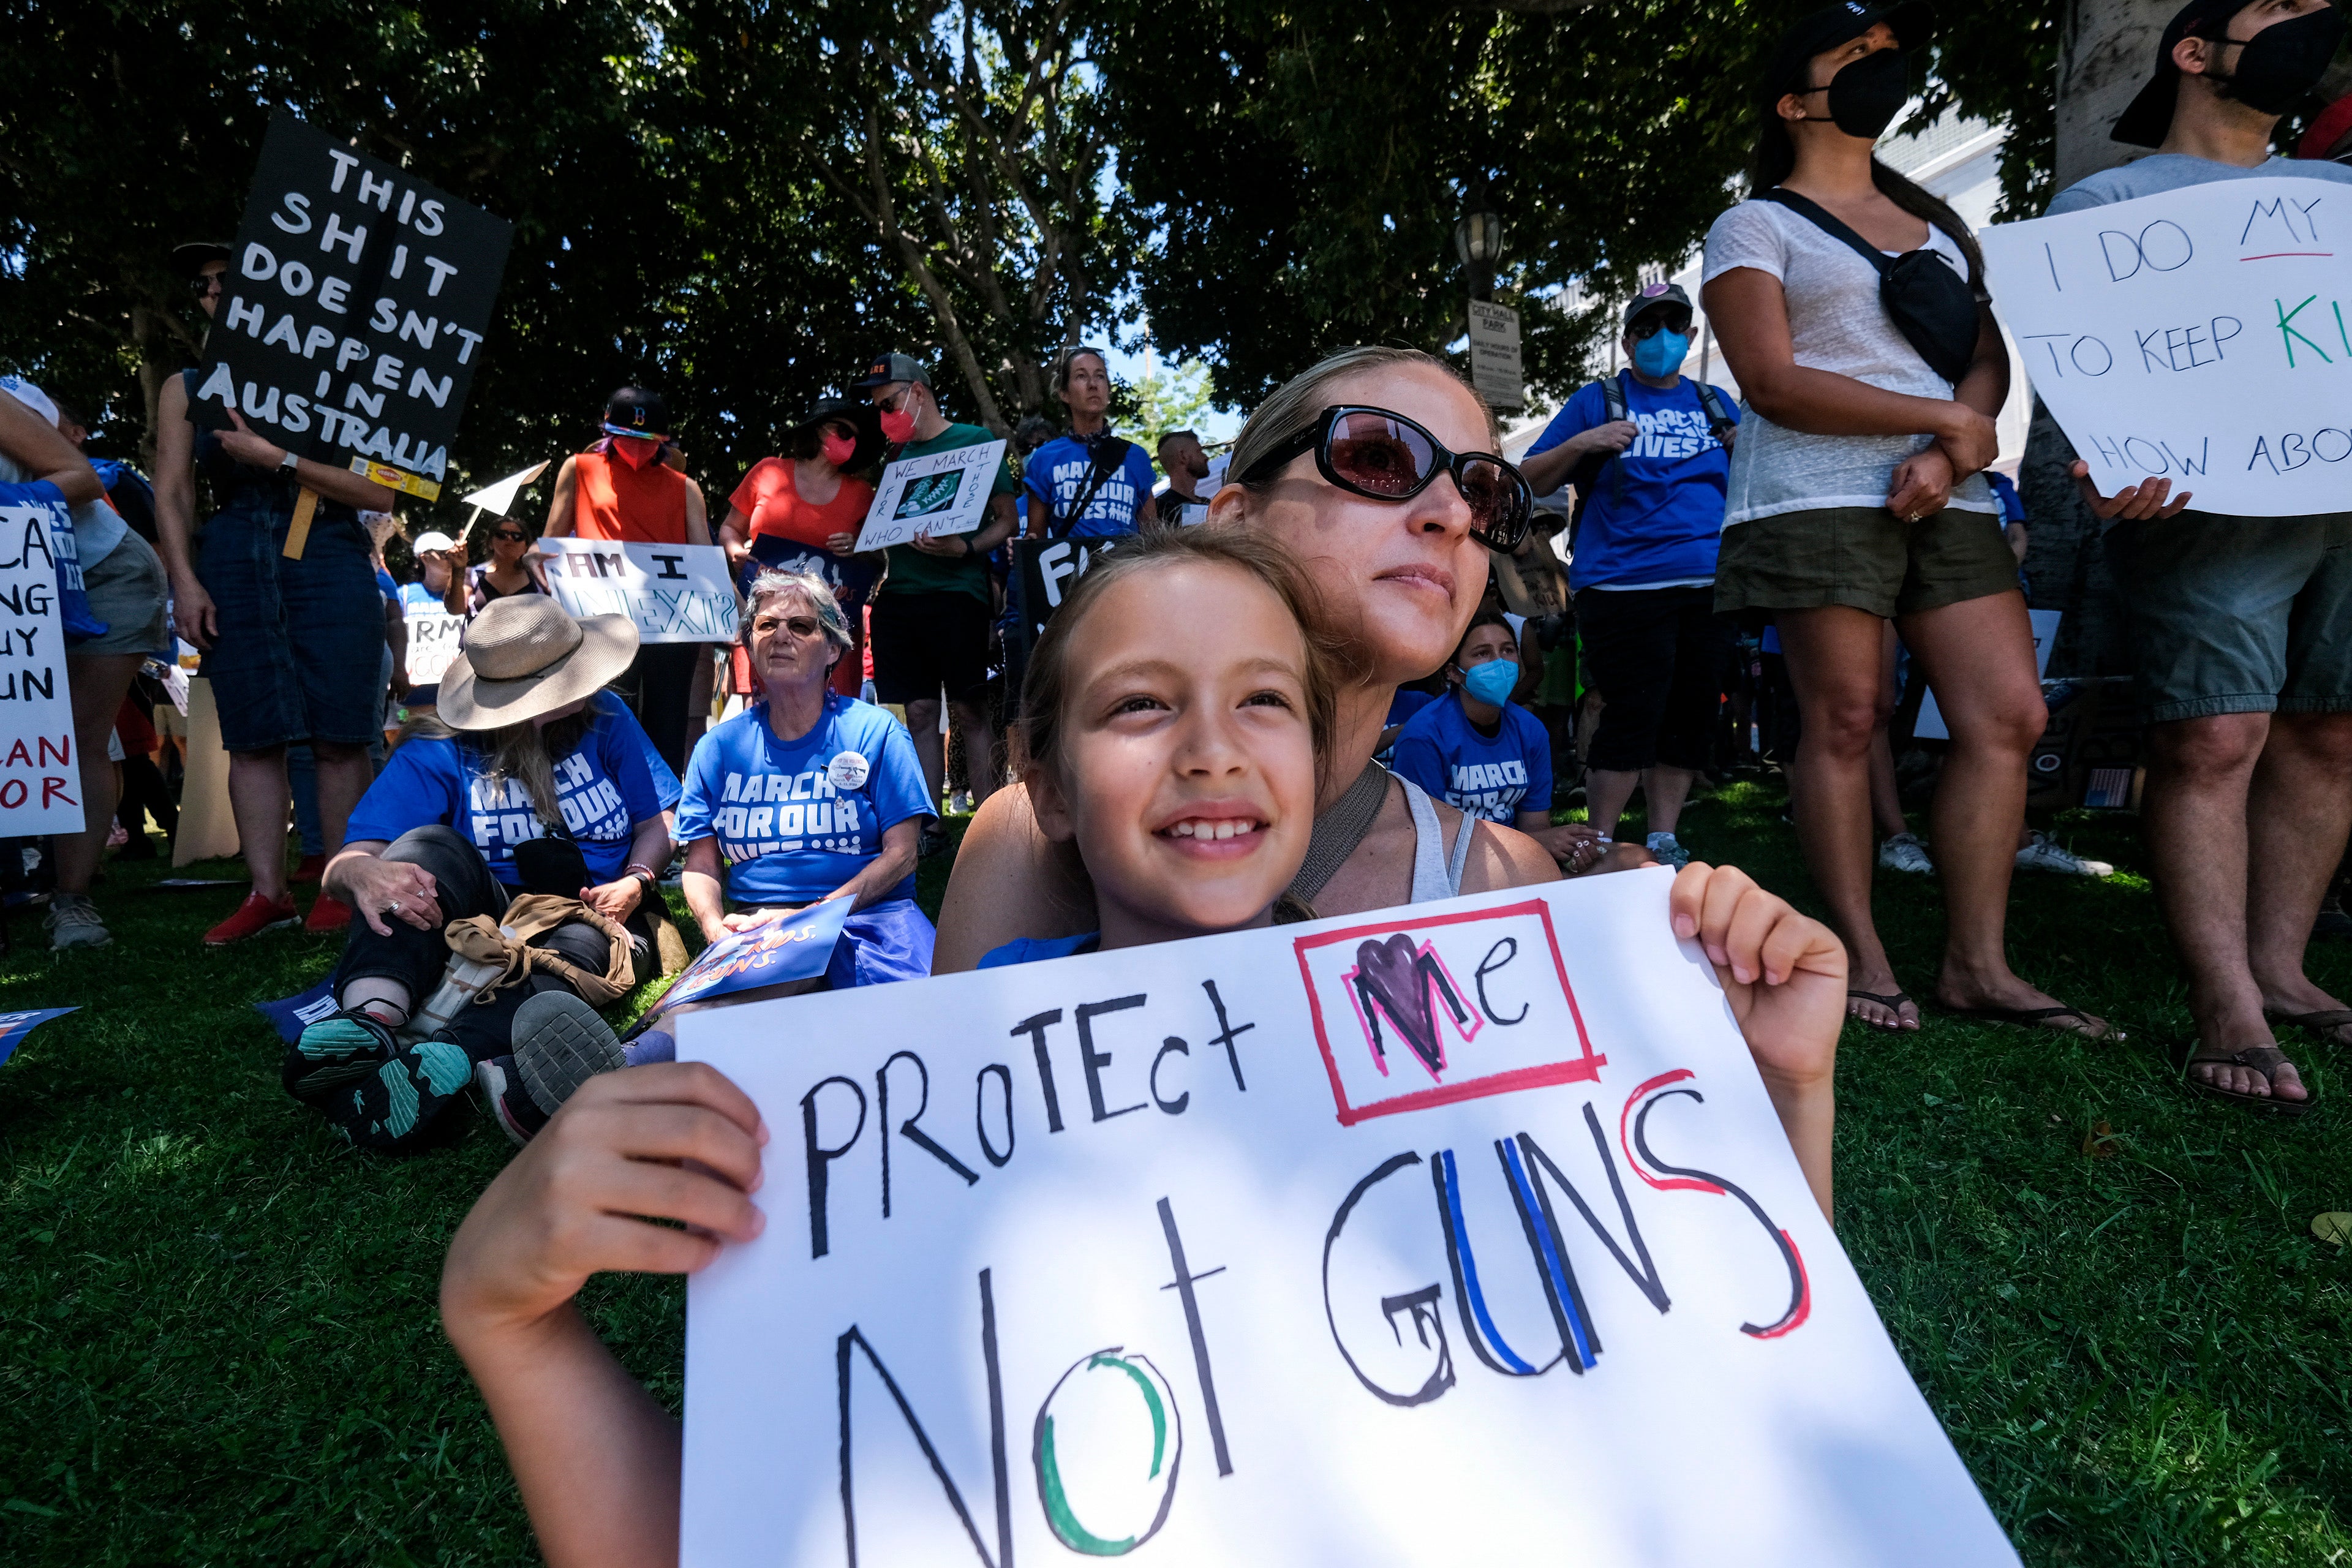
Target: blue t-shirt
[1407, 703]
[795, 819]
[1493, 779]
[1059, 472]
[612, 781]
[2161, 171]
[416, 596]
[384, 580]
[1032, 949]
[1664, 528]
[2012, 505]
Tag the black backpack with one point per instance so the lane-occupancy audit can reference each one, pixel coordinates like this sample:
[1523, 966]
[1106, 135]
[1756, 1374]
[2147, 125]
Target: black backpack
[1932, 306]
[1587, 473]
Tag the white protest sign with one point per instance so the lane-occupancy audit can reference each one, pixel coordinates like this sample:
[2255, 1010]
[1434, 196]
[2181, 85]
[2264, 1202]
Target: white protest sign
[1495, 368]
[2204, 335]
[1930, 725]
[40, 778]
[434, 638]
[676, 593]
[1458, 1234]
[937, 494]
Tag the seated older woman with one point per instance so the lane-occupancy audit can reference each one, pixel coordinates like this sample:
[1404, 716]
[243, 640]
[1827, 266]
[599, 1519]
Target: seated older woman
[808, 796]
[532, 778]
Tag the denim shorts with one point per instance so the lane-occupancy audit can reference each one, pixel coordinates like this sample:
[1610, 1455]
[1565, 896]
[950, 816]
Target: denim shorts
[298, 643]
[2238, 615]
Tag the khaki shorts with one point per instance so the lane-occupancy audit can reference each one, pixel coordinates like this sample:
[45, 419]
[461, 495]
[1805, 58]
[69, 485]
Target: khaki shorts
[1863, 557]
[126, 591]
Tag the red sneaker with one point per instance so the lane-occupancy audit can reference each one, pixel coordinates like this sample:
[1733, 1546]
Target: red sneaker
[328, 915]
[253, 917]
[310, 870]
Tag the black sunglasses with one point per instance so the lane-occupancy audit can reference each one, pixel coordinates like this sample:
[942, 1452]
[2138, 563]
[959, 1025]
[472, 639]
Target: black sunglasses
[1651, 323]
[1381, 454]
[205, 283]
[510, 536]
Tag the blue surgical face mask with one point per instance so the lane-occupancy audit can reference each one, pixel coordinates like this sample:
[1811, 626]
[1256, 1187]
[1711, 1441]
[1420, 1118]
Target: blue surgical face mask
[1661, 354]
[1491, 682]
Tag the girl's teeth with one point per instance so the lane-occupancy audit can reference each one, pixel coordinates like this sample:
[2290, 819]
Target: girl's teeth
[1225, 828]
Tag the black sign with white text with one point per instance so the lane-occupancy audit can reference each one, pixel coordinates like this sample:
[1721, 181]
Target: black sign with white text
[354, 312]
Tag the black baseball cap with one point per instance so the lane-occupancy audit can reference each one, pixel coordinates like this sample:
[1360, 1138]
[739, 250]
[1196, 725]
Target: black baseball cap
[1657, 296]
[2146, 122]
[860, 417]
[887, 368]
[638, 411]
[1913, 22]
[191, 259]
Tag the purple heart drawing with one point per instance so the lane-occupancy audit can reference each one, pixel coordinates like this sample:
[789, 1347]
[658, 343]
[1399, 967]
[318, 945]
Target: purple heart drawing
[1393, 977]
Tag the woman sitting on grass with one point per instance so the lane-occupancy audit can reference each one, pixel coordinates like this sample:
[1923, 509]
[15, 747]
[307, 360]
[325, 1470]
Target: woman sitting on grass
[532, 778]
[808, 796]
[1179, 712]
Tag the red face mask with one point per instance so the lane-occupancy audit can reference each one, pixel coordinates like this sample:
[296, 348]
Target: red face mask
[899, 429]
[637, 450]
[837, 447]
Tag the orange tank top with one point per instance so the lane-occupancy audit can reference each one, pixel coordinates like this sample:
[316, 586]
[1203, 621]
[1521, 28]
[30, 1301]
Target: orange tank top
[613, 500]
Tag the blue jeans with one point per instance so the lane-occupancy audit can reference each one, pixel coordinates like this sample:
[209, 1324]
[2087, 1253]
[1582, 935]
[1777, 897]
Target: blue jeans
[301, 642]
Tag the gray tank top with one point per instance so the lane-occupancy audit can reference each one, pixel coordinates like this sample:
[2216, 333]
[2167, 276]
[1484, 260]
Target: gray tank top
[1435, 874]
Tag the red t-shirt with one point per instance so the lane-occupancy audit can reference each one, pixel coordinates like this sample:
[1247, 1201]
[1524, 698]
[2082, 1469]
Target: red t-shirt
[766, 497]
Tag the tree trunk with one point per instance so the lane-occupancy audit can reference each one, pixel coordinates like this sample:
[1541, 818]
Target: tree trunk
[2108, 51]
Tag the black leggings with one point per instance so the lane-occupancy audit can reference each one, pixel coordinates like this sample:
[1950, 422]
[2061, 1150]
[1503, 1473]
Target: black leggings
[658, 686]
[1661, 658]
[418, 959]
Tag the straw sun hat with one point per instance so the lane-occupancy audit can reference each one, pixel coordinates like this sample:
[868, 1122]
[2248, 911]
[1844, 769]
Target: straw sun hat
[524, 657]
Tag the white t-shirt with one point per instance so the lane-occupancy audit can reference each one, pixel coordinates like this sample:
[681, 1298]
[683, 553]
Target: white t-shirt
[1836, 323]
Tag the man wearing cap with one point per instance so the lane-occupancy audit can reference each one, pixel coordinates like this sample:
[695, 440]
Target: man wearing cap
[2236, 622]
[931, 616]
[625, 489]
[1650, 487]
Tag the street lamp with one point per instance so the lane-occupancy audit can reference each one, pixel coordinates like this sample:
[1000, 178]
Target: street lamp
[1478, 240]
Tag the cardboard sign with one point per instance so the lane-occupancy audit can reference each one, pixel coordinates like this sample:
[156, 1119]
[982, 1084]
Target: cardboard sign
[1462, 1233]
[943, 493]
[15, 1026]
[676, 593]
[2203, 335]
[353, 311]
[40, 778]
[435, 637]
[797, 947]
[1495, 368]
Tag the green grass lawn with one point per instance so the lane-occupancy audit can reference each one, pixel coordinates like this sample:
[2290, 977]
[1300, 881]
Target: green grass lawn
[220, 1341]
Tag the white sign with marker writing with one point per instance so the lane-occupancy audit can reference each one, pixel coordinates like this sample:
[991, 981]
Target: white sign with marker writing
[1463, 1233]
[937, 494]
[434, 640]
[40, 778]
[676, 593]
[2204, 335]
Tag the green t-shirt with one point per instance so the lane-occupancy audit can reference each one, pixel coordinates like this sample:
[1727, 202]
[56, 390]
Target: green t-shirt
[912, 571]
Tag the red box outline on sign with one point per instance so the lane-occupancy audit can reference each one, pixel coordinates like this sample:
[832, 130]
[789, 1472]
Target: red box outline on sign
[1584, 1069]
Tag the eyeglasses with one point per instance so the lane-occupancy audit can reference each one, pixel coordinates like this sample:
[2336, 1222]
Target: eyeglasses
[508, 536]
[1383, 455]
[801, 627]
[1651, 324]
[896, 401]
[207, 283]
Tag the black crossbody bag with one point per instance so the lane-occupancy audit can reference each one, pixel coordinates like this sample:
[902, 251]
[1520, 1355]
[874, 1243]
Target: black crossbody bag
[1931, 305]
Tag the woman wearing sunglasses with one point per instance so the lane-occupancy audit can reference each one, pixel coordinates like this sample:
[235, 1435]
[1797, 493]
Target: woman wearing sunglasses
[1856, 498]
[1375, 468]
[510, 570]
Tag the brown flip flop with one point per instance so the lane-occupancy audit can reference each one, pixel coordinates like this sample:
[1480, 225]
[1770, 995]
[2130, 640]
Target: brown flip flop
[2264, 1059]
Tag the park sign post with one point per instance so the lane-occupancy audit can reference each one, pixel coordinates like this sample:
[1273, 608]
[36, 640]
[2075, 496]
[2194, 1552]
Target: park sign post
[354, 312]
[1495, 368]
[2203, 335]
[1461, 1233]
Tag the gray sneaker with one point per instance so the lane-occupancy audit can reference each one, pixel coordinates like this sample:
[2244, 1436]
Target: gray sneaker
[2044, 853]
[1903, 852]
[73, 922]
[1668, 851]
[560, 1044]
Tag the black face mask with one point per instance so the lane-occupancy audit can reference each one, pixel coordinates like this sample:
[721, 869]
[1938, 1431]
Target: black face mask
[2280, 64]
[1866, 96]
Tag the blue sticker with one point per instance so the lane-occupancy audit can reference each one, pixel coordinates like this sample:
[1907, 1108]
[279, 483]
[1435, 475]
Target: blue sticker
[15, 1026]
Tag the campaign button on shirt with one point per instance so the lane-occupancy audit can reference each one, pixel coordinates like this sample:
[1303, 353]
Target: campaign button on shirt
[1492, 777]
[796, 820]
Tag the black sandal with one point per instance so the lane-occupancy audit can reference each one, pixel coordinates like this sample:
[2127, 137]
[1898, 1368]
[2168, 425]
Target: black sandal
[2037, 1019]
[1892, 1001]
[2264, 1059]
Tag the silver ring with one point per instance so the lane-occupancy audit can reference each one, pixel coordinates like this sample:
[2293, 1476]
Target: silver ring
[394, 908]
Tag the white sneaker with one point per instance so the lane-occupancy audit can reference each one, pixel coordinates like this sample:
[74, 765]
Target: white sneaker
[1668, 851]
[73, 922]
[2047, 854]
[1903, 852]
